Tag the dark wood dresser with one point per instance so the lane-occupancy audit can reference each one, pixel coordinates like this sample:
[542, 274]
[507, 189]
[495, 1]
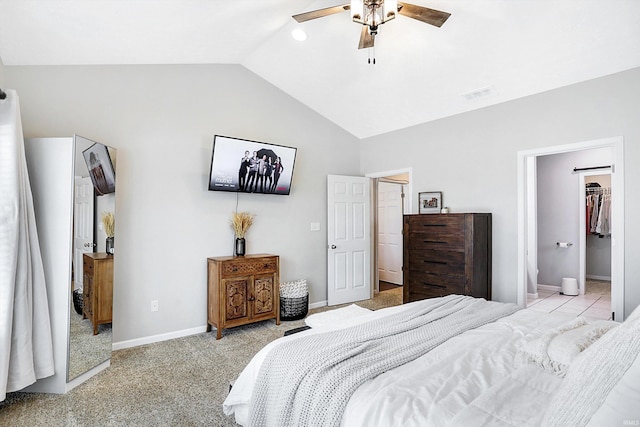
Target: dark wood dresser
[447, 254]
[242, 290]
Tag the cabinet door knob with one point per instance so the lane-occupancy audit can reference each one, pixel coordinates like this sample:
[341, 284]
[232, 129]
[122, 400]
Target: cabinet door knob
[252, 299]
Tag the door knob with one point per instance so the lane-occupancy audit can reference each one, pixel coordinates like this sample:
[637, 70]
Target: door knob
[333, 246]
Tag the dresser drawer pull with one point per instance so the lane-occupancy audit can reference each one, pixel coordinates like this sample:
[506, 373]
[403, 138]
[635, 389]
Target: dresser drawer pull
[434, 262]
[434, 285]
[434, 225]
[234, 268]
[435, 241]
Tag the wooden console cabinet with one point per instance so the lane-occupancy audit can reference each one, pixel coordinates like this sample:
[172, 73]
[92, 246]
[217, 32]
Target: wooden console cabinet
[447, 254]
[242, 290]
[97, 289]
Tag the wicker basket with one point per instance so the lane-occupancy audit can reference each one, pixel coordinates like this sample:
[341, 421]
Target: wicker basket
[294, 308]
[77, 301]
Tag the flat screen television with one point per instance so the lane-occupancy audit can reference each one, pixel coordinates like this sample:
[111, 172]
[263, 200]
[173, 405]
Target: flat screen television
[101, 169]
[241, 165]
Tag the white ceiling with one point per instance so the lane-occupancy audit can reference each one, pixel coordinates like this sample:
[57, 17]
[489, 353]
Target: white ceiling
[495, 50]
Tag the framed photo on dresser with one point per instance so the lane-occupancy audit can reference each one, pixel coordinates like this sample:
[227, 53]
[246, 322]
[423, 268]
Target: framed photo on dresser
[429, 202]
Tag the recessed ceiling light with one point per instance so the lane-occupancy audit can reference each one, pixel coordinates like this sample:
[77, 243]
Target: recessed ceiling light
[299, 34]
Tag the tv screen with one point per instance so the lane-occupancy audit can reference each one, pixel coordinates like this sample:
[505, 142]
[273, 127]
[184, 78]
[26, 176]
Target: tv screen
[240, 165]
[100, 168]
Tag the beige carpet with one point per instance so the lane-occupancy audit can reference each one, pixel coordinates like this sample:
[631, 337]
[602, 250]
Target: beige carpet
[180, 382]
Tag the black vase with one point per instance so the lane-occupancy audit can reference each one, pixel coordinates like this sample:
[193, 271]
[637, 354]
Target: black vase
[240, 246]
[109, 246]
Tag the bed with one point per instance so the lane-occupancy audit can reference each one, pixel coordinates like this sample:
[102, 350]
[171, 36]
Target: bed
[521, 368]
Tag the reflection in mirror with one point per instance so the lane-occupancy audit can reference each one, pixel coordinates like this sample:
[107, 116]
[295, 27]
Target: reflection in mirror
[91, 297]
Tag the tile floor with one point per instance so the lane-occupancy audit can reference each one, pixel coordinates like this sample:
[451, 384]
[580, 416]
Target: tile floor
[590, 305]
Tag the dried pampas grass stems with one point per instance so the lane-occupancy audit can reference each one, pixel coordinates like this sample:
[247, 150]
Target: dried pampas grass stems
[109, 223]
[240, 222]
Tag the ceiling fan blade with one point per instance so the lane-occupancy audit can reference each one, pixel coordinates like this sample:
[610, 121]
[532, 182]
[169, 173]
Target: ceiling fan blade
[430, 16]
[366, 39]
[307, 16]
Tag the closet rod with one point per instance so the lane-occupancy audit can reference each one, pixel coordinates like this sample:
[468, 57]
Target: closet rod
[2, 94]
[594, 167]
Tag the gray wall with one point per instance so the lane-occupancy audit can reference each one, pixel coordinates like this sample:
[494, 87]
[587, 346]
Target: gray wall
[559, 212]
[162, 120]
[472, 157]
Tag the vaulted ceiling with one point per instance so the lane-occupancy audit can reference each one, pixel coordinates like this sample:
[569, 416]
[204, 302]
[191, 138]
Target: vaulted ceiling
[489, 51]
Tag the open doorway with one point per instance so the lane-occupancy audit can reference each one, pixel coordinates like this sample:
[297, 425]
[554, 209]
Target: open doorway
[559, 245]
[391, 200]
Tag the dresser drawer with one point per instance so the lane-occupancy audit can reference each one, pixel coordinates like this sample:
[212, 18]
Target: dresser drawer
[244, 267]
[420, 279]
[434, 261]
[452, 223]
[436, 241]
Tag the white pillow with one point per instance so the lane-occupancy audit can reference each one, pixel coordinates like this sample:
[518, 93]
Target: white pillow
[622, 405]
[556, 348]
[566, 346]
[331, 317]
[611, 363]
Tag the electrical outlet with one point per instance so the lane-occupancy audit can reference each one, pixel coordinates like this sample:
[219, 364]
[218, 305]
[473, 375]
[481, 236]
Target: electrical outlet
[154, 305]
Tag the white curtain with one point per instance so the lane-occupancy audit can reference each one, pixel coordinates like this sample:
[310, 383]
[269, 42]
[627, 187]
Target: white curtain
[26, 350]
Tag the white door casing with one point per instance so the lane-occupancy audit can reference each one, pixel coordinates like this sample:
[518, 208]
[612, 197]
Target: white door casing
[82, 225]
[348, 239]
[526, 215]
[390, 232]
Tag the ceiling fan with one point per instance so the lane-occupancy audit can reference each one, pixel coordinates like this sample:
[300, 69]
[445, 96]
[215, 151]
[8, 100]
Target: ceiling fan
[373, 13]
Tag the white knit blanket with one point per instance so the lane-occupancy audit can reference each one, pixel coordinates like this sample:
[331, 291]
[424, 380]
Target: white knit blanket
[308, 381]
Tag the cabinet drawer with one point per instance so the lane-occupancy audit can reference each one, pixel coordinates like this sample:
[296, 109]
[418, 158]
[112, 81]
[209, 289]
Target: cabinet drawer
[437, 240]
[453, 223]
[440, 262]
[243, 267]
[435, 231]
[420, 280]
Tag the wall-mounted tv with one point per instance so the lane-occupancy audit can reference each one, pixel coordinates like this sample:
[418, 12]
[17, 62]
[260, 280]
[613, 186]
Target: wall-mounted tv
[100, 168]
[241, 165]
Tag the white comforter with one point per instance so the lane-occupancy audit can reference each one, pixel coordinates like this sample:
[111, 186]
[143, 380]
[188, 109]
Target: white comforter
[438, 388]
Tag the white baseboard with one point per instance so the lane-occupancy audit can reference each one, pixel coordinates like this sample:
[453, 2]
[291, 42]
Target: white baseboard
[157, 338]
[552, 288]
[591, 276]
[177, 334]
[317, 304]
[532, 296]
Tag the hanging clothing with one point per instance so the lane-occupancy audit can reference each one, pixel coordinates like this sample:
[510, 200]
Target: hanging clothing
[598, 213]
[603, 228]
[26, 350]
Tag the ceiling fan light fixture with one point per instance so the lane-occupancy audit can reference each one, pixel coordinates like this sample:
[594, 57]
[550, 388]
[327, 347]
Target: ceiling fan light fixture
[373, 12]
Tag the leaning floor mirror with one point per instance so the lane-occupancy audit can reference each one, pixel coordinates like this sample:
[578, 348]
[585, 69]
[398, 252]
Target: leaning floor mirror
[91, 296]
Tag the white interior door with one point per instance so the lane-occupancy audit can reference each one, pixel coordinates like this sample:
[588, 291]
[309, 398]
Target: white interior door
[82, 225]
[390, 232]
[348, 239]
